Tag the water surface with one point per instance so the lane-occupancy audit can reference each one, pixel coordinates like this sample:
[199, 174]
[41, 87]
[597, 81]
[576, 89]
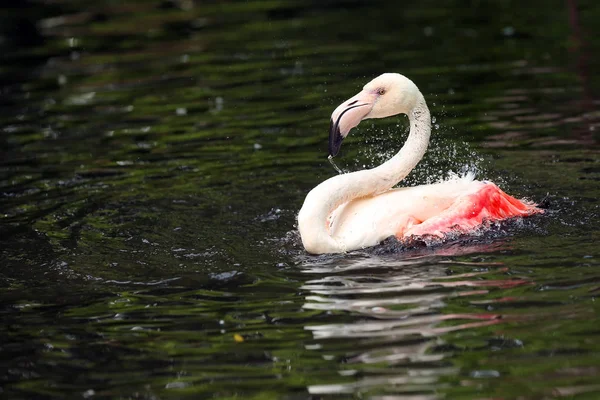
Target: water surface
[155, 155]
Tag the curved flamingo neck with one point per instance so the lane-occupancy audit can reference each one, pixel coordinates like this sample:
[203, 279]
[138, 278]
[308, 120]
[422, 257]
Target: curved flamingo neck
[337, 190]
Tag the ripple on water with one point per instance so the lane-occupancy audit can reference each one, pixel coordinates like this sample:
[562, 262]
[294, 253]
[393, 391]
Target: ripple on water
[396, 342]
[154, 157]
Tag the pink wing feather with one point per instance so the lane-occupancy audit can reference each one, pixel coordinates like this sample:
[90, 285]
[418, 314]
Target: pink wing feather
[468, 212]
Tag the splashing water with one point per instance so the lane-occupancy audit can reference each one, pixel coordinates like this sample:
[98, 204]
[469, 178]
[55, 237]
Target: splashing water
[445, 159]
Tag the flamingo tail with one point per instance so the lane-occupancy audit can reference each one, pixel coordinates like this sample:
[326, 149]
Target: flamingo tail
[489, 204]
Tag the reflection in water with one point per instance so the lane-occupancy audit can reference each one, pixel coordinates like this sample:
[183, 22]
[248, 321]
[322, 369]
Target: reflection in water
[396, 315]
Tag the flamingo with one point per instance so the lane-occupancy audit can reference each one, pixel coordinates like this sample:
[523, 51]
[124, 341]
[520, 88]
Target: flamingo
[360, 209]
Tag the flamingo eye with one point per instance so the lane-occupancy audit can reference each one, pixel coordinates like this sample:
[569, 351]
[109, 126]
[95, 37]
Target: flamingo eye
[381, 91]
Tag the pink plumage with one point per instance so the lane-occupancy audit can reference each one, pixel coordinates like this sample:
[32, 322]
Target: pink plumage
[488, 204]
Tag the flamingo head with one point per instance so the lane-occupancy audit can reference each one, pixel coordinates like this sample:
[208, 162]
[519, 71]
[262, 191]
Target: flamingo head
[388, 94]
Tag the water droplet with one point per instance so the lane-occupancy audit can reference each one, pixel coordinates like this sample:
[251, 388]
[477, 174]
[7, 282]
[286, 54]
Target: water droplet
[508, 31]
[176, 385]
[485, 374]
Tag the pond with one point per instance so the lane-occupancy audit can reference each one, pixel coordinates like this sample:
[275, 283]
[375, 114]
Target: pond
[155, 155]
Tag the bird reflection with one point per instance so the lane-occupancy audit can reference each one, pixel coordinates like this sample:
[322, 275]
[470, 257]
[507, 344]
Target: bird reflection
[387, 315]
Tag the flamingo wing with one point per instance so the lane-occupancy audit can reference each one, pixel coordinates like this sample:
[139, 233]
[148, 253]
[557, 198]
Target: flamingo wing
[468, 212]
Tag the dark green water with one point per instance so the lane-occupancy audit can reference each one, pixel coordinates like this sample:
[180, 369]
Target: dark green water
[154, 155]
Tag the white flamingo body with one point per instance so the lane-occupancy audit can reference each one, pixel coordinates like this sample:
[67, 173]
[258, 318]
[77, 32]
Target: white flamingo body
[359, 209]
[367, 221]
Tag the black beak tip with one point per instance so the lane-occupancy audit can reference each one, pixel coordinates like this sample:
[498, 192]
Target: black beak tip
[335, 139]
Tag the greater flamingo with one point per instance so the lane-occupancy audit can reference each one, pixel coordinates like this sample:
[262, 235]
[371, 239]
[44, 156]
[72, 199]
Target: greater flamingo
[360, 209]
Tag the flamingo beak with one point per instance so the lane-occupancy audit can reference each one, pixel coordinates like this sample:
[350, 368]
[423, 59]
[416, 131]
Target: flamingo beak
[347, 116]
